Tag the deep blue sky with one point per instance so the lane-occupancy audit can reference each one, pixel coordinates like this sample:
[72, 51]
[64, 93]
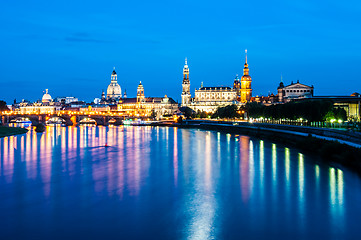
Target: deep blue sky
[71, 47]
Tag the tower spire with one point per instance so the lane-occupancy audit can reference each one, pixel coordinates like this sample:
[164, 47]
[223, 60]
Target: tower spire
[246, 81]
[186, 94]
[246, 55]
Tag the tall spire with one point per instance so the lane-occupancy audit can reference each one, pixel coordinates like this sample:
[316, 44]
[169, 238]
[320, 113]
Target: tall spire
[246, 56]
[245, 69]
[185, 71]
[186, 94]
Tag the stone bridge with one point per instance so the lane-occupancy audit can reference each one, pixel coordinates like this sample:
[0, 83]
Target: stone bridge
[67, 119]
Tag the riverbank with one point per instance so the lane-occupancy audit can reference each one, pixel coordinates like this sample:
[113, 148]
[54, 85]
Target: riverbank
[338, 147]
[9, 131]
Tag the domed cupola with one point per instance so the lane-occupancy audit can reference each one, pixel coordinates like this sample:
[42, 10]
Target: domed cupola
[114, 91]
[46, 97]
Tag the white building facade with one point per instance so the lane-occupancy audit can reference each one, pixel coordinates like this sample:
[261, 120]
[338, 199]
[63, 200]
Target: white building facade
[209, 99]
[294, 91]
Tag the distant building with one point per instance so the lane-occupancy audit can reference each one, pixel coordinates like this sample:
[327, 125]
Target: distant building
[142, 106]
[97, 100]
[208, 99]
[114, 92]
[186, 86]
[351, 104]
[46, 97]
[66, 100]
[294, 91]
[265, 100]
[44, 106]
[246, 80]
[95, 108]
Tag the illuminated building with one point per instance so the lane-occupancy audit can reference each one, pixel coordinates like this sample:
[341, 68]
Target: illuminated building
[95, 108]
[114, 92]
[237, 86]
[66, 100]
[294, 91]
[186, 85]
[142, 106]
[45, 106]
[46, 97]
[208, 99]
[246, 80]
[38, 108]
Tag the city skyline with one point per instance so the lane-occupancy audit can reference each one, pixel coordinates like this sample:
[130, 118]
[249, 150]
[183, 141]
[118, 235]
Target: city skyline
[71, 52]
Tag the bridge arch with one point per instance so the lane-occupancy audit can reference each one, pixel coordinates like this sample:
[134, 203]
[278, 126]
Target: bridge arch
[88, 120]
[55, 120]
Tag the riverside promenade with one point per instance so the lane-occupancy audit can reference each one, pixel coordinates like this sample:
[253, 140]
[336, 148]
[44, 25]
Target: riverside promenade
[350, 138]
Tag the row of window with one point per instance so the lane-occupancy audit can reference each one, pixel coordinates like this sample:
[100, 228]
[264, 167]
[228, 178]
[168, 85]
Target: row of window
[302, 90]
[221, 99]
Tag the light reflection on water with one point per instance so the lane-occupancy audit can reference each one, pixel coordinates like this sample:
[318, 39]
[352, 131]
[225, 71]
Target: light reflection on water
[175, 183]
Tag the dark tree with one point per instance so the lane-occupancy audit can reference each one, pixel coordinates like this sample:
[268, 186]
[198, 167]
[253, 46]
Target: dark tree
[230, 111]
[312, 110]
[153, 115]
[3, 106]
[188, 112]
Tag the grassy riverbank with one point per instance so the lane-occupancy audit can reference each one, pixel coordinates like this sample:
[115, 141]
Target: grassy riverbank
[9, 131]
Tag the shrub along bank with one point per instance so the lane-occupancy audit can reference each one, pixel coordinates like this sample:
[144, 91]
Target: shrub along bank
[8, 131]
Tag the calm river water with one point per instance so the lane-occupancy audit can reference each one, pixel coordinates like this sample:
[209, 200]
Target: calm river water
[169, 183]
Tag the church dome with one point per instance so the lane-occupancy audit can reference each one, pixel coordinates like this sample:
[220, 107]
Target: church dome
[46, 97]
[114, 90]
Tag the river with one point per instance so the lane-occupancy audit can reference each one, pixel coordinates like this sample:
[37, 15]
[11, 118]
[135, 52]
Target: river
[169, 183]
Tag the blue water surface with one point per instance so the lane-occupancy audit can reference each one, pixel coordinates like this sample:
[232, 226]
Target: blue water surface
[169, 183]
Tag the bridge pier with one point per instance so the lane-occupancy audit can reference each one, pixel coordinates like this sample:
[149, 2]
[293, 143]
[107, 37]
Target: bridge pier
[4, 120]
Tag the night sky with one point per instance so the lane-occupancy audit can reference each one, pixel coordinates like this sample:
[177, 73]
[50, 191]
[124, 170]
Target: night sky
[71, 48]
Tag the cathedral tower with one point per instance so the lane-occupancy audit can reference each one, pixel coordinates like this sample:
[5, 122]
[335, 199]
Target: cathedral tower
[246, 80]
[237, 86]
[186, 86]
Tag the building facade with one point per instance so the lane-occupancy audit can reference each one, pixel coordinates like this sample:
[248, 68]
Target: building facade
[246, 81]
[114, 92]
[45, 106]
[209, 99]
[186, 86]
[294, 91]
[147, 107]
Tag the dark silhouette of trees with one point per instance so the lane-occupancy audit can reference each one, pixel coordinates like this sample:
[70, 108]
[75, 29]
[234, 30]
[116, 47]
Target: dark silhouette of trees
[312, 110]
[3, 106]
[188, 112]
[202, 114]
[230, 111]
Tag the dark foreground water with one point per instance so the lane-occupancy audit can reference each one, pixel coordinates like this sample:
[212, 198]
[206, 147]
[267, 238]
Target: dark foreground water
[169, 183]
